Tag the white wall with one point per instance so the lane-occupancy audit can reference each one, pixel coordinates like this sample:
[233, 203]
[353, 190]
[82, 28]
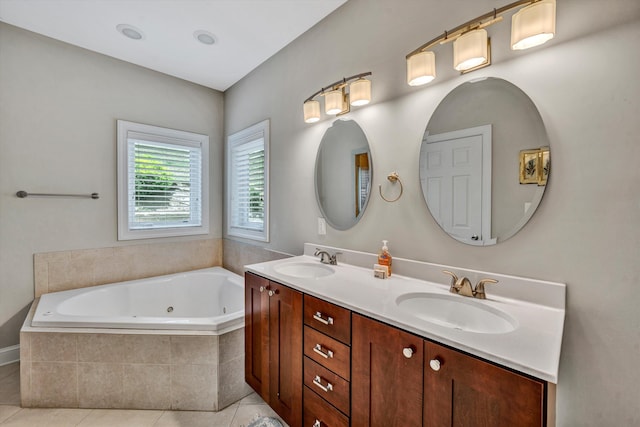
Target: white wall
[586, 231]
[58, 110]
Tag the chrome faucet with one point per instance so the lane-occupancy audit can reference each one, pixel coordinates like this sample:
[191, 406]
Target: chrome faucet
[326, 257]
[462, 286]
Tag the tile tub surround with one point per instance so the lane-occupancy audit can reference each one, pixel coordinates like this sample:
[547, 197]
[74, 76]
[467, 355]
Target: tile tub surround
[60, 271]
[238, 254]
[131, 369]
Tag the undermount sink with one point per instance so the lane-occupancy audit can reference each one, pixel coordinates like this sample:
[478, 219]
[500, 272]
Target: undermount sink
[305, 270]
[457, 312]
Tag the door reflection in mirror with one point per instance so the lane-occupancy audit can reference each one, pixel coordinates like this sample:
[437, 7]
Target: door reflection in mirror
[343, 174]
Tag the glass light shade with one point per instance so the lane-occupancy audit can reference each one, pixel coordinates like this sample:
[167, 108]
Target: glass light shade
[533, 25]
[311, 111]
[421, 68]
[360, 92]
[470, 50]
[333, 101]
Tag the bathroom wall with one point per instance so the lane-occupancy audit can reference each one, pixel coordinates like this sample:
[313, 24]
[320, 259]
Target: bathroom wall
[586, 231]
[58, 110]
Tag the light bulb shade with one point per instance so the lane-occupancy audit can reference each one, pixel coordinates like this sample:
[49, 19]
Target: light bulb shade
[421, 68]
[311, 111]
[333, 102]
[470, 50]
[533, 25]
[360, 92]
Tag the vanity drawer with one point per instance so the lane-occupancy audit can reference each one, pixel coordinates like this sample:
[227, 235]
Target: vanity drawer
[329, 318]
[317, 412]
[331, 387]
[330, 353]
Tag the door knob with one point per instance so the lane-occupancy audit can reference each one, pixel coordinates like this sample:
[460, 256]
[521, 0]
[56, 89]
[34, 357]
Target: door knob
[435, 364]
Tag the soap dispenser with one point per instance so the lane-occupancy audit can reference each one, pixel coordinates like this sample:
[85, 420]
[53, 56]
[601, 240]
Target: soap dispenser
[384, 257]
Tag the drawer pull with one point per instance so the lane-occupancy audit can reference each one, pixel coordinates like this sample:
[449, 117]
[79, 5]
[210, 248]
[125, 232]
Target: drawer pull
[318, 382]
[319, 318]
[318, 349]
[317, 424]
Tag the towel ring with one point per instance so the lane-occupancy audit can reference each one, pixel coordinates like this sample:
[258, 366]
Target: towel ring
[393, 177]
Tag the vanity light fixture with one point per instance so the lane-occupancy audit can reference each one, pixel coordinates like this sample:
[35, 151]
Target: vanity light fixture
[337, 100]
[532, 25]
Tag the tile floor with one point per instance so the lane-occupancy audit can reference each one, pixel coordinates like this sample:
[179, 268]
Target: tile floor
[11, 414]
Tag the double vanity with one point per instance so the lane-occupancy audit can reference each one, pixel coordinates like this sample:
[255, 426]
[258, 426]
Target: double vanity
[330, 345]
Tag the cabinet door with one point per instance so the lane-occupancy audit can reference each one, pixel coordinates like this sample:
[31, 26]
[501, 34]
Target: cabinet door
[465, 391]
[256, 343]
[285, 346]
[386, 385]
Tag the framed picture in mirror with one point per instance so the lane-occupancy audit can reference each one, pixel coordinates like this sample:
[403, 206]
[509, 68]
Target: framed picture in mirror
[544, 166]
[529, 166]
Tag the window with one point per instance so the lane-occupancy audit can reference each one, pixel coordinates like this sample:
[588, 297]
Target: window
[163, 177]
[248, 183]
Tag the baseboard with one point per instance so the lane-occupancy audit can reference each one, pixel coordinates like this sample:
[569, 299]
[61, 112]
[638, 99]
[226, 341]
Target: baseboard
[9, 355]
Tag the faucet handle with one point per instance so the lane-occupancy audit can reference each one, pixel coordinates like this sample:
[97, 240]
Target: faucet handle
[479, 290]
[454, 280]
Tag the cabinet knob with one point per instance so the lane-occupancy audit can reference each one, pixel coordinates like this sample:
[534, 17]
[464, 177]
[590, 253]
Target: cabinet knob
[317, 424]
[272, 293]
[408, 351]
[262, 288]
[435, 364]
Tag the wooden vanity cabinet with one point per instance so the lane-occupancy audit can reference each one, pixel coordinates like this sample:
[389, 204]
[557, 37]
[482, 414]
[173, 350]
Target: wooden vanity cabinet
[461, 390]
[387, 375]
[273, 345]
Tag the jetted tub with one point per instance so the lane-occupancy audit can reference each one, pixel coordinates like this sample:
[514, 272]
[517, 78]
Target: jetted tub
[172, 342]
[210, 299]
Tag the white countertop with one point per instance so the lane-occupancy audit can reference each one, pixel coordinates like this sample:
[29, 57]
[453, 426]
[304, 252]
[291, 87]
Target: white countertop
[533, 347]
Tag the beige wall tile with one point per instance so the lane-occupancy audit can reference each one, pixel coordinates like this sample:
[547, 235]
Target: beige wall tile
[54, 384]
[106, 348]
[147, 387]
[25, 383]
[53, 347]
[40, 274]
[194, 349]
[147, 349]
[231, 345]
[25, 346]
[100, 385]
[56, 271]
[238, 254]
[194, 387]
[231, 384]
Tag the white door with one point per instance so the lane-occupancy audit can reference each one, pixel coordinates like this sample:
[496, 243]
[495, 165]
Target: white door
[456, 178]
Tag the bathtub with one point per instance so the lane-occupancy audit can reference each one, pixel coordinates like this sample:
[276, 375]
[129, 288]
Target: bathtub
[172, 342]
[210, 299]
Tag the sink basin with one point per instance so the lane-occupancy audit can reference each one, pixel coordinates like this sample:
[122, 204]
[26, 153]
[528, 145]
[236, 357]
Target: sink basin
[457, 312]
[306, 270]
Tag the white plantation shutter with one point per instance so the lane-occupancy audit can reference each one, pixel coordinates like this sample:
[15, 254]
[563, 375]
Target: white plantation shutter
[162, 182]
[247, 178]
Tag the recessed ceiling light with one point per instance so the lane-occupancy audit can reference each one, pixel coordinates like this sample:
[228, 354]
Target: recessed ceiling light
[204, 37]
[129, 31]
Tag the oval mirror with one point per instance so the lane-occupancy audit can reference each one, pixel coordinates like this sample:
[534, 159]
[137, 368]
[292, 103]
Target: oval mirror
[343, 174]
[484, 161]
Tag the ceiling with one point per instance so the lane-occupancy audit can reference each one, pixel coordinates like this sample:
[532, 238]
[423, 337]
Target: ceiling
[246, 32]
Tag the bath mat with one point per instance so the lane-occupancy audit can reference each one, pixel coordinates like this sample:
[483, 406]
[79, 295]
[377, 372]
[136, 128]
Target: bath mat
[265, 422]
